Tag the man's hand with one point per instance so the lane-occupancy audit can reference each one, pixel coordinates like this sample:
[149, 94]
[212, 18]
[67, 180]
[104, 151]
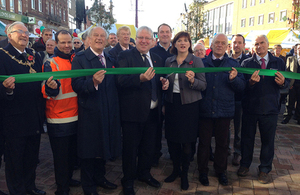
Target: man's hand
[191, 76]
[279, 78]
[51, 83]
[233, 74]
[9, 84]
[98, 77]
[148, 75]
[165, 83]
[255, 78]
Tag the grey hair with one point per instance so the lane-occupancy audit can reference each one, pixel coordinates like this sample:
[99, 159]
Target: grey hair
[10, 28]
[126, 28]
[144, 28]
[219, 35]
[84, 36]
[91, 31]
[76, 38]
[199, 44]
[50, 40]
[261, 36]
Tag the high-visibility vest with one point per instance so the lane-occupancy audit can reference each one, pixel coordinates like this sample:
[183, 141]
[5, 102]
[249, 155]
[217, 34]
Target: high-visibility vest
[64, 107]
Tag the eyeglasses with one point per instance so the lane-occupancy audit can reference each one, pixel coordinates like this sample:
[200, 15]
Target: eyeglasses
[27, 33]
[76, 42]
[147, 38]
[198, 50]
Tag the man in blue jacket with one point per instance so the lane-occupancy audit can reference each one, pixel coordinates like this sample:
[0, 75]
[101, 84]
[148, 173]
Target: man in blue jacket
[260, 105]
[217, 109]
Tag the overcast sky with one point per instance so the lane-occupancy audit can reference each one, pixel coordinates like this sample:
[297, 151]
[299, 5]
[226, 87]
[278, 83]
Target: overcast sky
[152, 12]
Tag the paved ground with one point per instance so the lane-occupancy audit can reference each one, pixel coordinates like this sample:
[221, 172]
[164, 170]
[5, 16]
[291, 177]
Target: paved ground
[285, 173]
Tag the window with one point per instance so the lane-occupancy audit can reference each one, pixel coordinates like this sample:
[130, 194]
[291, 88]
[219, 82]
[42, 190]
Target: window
[261, 1]
[70, 4]
[40, 6]
[12, 5]
[260, 19]
[244, 4]
[60, 13]
[3, 4]
[47, 8]
[251, 21]
[222, 11]
[282, 15]
[32, 4]
[20, 6]
[252, 2]
[271, 17]
[221, 28]
[64, 16]
[229, 9]
[243, 22]
[217, 14]
[52, 9]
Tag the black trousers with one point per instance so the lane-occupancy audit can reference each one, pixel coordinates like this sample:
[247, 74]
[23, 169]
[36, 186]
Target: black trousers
[220, 126]
[293, 96]
[92, 173]
[21, 156]
[64, 157]
[267, 127]
[180, 154]
[138, 142]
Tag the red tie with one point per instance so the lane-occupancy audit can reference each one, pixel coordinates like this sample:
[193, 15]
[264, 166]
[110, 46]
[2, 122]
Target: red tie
[263, 64]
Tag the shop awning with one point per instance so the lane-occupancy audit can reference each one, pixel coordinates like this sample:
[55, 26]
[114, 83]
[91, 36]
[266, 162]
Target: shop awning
[286, 38]
[2, 29]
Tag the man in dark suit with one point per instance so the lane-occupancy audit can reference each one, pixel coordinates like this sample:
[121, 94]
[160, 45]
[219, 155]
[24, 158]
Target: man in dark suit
[163, 50]
[123, 35]
[238, 46]
[140, 99]
[4, 42]
[112, 41]
[292, 65]
[40, 45]
[23, 112]
[260, 108]
[99, 131]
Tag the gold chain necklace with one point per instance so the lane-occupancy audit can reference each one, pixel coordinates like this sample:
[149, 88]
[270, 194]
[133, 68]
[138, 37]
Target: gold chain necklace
[27, 63]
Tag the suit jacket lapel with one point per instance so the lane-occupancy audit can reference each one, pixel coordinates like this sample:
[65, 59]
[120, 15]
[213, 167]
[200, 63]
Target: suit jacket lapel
[92, 58]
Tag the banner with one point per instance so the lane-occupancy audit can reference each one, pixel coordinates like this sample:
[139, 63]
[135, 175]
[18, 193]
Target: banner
[23, 78]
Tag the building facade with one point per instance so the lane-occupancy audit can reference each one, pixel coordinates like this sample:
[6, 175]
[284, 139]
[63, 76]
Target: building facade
[241, 16]
[53, 13]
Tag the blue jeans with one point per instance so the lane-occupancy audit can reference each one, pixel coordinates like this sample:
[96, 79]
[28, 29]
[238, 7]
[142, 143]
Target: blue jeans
[267, 127]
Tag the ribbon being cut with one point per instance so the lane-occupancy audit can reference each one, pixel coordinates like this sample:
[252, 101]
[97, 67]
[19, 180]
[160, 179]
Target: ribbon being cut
[23, 78]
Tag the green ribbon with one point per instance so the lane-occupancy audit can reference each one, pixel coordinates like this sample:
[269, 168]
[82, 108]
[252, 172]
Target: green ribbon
[23, 78]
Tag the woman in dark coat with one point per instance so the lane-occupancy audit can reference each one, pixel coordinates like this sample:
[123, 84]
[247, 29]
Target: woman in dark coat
[181, 106]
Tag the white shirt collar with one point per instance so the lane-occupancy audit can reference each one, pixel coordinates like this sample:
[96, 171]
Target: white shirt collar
[97, 54]
[19, 50]
[214, 57]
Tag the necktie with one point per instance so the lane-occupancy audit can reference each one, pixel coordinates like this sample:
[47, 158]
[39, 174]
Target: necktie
[263, 64]
[24, 56]
[153, 84]
[101, 60]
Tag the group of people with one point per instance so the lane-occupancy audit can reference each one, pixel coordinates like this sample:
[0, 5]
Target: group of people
[100, 117]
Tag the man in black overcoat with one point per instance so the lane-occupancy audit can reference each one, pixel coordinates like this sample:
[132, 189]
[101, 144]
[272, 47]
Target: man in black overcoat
[22, 112]
[99, 132]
